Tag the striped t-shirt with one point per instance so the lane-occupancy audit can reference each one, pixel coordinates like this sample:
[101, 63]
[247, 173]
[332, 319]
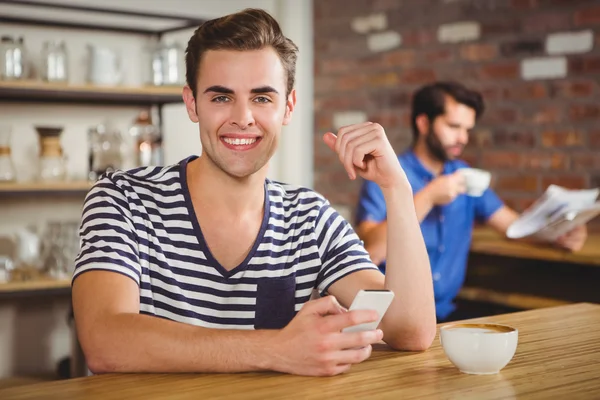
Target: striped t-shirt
[142, 224]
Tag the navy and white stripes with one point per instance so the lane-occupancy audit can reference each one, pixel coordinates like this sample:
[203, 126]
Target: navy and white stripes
[141, 224]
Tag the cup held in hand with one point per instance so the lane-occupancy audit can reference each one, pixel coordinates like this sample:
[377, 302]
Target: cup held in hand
[476, 180]
[479, 349]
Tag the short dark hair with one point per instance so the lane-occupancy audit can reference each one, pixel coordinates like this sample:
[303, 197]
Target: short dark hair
[431, 101]
[250, 29]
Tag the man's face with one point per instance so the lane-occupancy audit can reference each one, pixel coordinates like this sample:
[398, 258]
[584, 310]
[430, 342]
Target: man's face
[241, 106]
[449, 133]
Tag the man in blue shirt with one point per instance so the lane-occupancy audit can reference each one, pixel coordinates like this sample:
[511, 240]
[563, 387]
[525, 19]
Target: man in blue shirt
[443, 114]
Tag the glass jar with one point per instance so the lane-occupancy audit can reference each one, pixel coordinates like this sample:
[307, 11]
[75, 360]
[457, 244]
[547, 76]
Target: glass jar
[105, 147]
[52, 165]
[55, 62]
[12, 58]
[7, 168]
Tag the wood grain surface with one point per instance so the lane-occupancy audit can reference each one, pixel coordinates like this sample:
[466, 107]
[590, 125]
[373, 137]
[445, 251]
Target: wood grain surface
[558, 357]
[487, 241]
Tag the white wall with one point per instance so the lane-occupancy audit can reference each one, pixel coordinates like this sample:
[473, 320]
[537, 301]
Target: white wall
[43, 323]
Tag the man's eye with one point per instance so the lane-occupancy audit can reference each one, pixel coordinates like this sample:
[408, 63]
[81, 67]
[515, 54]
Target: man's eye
[220, 99]
[262, 99]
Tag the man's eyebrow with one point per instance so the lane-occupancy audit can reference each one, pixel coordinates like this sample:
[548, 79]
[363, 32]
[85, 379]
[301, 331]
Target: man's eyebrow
[264, 89]
[219, 89]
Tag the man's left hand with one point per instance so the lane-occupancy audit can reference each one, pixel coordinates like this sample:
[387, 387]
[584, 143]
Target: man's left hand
[574, 239]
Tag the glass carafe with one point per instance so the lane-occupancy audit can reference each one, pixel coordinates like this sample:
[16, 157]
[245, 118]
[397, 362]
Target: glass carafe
[7, 168]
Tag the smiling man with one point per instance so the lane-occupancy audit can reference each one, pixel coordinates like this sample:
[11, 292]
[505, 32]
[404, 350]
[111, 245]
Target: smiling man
[208, 266]
[443, 115]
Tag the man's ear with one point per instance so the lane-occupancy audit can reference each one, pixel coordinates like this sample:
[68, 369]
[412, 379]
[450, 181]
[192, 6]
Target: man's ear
[190, 103]
[289, 107]
[422, 122]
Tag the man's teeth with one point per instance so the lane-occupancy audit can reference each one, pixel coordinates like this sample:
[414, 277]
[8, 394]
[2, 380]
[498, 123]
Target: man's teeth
[238, 141]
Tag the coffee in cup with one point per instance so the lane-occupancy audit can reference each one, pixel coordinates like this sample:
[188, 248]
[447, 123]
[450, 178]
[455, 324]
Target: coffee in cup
[479, 348]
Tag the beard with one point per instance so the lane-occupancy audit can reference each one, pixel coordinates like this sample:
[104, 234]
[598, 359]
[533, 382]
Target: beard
[436, 148]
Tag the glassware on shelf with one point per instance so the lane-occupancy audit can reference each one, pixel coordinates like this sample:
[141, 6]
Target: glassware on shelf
[105, 150]
[7, 168]
[55, 62]
[13, 61]
[60, 248]
[52, 165]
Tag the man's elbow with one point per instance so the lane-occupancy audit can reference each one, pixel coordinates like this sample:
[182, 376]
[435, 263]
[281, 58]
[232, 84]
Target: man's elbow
[100, 357]
[417, 339]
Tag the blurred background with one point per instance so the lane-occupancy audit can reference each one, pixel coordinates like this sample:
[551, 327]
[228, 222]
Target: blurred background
[85, 88]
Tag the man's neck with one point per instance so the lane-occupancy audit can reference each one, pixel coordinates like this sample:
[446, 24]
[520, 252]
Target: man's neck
[431, 163]
[223, 194]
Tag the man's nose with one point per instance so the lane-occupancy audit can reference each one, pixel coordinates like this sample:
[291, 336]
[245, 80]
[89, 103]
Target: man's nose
[241, 115]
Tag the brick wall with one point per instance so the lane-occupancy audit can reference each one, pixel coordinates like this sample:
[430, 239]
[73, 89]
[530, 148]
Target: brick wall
[537, 62]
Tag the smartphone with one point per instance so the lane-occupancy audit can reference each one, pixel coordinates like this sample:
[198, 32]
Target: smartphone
[378, 300]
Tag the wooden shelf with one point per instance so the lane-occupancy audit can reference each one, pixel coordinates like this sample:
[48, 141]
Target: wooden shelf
[35, 288]
[67, 187]
[32, 91]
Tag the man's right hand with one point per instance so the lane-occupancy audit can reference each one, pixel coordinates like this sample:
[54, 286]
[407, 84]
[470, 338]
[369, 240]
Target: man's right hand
[444, 189]
[313, 342]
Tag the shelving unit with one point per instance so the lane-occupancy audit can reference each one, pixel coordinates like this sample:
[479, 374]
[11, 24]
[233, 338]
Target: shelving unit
[73, 16]
[36, 91]
[39, 188]
[35, 288]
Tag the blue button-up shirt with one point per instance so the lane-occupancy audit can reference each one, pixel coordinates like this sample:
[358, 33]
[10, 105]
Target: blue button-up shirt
[446, 229]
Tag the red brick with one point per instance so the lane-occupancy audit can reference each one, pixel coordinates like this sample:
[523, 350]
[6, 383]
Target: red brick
[519, 203]
[518, 183]
[418, 76]
[526, 91]
[336, 65]
[522, 47]
[399, 58]
[594, 139]
[470, 158]
[323, 85]
[438, 56]
[524, 4]
[500, 71]
[505, 26]
[545, 115]
[386, 118]
[570, 181]
[385, 79]
[588, 16]
[416, 38]
[514, 138]
[498, 159]
[595, 183]
[586, 161]
[482, 138]
[572, 88]
[546, 22]
[544, 161]
[341, 103]
[565, 138]
[500, 115]
[584, 65]
[351, 81]
[584, 111]
[323, 122]
[478, 52]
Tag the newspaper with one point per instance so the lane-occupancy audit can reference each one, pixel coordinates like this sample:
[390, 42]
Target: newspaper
[555, 213]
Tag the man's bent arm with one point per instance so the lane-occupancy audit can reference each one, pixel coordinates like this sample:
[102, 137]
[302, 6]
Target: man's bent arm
[116, 338]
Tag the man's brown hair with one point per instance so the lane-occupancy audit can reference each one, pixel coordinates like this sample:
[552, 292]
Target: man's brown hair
[250, 29]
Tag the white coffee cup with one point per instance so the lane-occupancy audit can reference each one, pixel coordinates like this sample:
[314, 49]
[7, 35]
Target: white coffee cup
[479, 349]
[476, 180]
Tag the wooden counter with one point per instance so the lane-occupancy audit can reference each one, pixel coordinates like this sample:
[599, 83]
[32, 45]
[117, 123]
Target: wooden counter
[489, 242]
[35, 288]
[558, 356]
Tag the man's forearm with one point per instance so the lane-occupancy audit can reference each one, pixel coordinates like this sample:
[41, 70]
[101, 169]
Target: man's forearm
[411, 317]
[141, 343]
[423, 204]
